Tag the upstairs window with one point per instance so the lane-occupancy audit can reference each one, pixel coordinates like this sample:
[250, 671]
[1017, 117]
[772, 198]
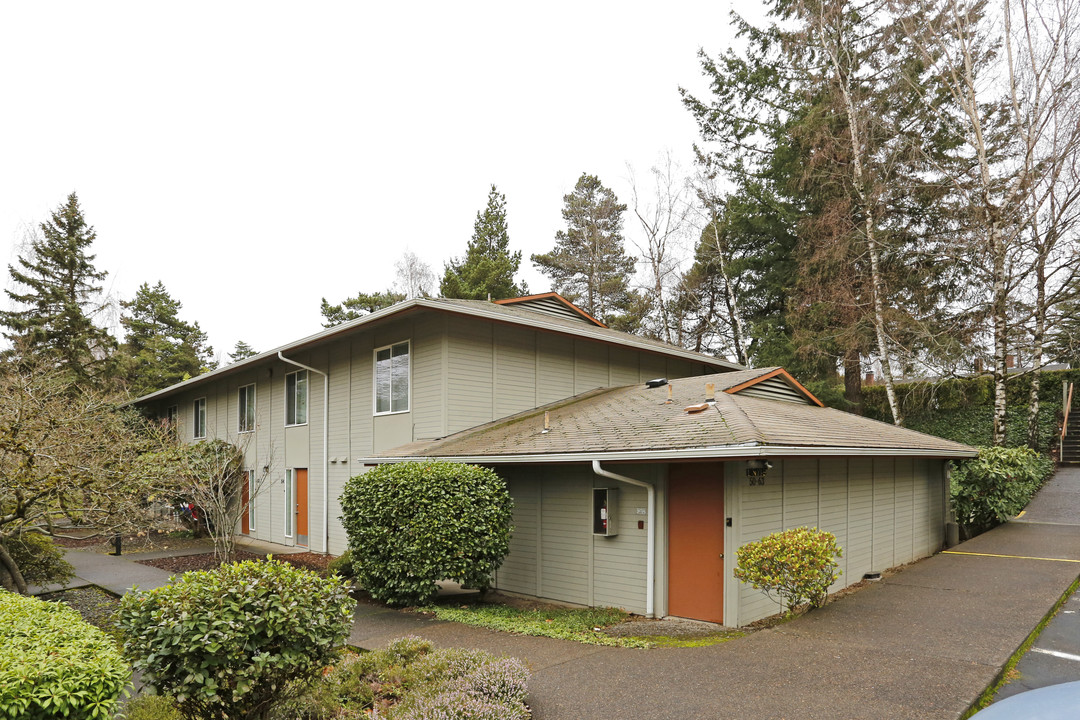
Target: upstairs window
[246, 408]
[199, 416]
[296, 385]
[392, 378]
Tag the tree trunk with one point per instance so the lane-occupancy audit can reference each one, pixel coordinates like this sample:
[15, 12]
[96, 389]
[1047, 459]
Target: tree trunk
[1000, 308]
[853, 381]
[10, 576]
[1037, 352]
[732, 303]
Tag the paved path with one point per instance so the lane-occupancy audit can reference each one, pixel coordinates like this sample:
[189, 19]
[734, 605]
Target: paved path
[1055, 656]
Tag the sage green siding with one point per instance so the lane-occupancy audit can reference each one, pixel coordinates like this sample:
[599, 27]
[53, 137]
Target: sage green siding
[553, 553]
[463, 372]
[884, 511]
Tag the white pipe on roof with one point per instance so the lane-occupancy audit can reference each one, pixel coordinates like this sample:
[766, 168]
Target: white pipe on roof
[650, 553]
[325, 448]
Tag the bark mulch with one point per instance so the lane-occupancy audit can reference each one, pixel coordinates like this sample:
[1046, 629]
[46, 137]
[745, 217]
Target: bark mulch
[207, 561]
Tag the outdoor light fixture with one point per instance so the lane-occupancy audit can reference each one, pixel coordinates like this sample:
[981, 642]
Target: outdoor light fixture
[757, 468]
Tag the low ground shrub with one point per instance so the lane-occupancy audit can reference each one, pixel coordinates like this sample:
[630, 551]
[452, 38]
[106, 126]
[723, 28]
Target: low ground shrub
[40, 560]
[54, 665]
[988, 490]
[796, 565]
[342, 566]
[412, 524]
[409, 680]
[235, 641]
[151, 707]
[577, 624]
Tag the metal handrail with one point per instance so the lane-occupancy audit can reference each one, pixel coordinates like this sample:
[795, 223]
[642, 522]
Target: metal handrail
[1065, 425]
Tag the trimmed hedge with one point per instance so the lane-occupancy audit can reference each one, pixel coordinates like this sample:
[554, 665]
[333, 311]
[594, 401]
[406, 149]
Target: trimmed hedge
[235, 641]
[412, 524]
[55, 665]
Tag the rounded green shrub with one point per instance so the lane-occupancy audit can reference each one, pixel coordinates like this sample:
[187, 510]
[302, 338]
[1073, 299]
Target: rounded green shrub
[54, 665]
[151, 707]
[40, 560]
[412, 524]
[233, 642]
[798, 565]
[988, 490]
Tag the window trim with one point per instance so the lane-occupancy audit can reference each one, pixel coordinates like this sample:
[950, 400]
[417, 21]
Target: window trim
[290, 502]
[172, 415]
[249, 479]
[375, 379]
[250, 401]
[308, 398]
[195, 419]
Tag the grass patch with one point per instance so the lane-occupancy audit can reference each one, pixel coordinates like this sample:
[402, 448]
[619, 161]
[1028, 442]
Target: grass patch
[577, 624]
[1008, 671]
[688, 641]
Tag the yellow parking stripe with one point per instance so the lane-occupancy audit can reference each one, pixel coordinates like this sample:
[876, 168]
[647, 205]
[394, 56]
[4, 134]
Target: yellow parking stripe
[1015, 557]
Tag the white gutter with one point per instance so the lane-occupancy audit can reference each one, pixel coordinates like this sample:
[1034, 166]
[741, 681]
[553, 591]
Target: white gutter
[723, 451]
[650, 538]
[325, 448]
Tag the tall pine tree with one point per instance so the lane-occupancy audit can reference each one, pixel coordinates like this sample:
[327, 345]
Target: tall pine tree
[159, 348]
[589, 264]
[60, 293]
[488, 268]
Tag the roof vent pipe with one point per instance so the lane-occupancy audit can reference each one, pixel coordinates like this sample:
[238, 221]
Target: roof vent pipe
[710, 392]
[650, 538]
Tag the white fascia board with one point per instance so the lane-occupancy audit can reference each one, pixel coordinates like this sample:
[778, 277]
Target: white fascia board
[728, 451]
[539, 322]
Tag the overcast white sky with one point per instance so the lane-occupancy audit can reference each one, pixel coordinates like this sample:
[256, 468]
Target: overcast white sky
[256, 157]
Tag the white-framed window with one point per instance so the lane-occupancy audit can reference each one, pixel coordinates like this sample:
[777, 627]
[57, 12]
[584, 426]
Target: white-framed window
[392, 378]
[290, 501]
[249, 499]
[246, 408]
[198, 412]
[296, 396]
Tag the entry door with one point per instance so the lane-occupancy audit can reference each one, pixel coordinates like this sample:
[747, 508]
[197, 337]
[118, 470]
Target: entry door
[301, 507]
[696, 541]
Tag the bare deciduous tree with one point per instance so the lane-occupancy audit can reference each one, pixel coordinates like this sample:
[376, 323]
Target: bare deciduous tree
[415, 277]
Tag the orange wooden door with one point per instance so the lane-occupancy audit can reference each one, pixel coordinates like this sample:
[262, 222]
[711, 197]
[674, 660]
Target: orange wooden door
[696, 541]
[301, 508]
[245, 498]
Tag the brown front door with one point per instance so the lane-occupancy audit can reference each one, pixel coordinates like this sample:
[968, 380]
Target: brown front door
[696, 541]
[301, 508]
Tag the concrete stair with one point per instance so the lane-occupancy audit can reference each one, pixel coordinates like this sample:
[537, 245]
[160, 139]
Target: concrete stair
[1070, 445]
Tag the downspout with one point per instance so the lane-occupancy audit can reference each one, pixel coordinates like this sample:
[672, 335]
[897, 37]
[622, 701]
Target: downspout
[650, 552]
[325, 448]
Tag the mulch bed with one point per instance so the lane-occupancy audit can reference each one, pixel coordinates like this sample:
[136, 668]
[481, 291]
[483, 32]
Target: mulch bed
[207, 561]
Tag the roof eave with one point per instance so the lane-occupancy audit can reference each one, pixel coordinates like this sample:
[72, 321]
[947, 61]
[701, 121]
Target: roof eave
[434, 305]
[725, 451]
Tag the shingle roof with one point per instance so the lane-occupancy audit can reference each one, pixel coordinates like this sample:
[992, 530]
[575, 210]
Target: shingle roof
[637, 420]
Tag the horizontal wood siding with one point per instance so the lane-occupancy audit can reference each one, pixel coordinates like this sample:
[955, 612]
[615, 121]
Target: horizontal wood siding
[625, 368]
[833, 507]
[361, 427]
[555, 368]
[904, 515]
[761, 513]
[515, 370]
[519, 570]
[860, 547]
[565, 538]
[469, 375]
[884, 512]
[590, 366]
[775, 389]
[339, 448]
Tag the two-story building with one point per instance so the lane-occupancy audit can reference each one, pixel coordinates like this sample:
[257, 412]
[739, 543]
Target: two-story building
[622, 496]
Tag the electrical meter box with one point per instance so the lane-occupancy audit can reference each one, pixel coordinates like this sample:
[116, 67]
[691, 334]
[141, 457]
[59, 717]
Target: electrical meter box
[605, 511]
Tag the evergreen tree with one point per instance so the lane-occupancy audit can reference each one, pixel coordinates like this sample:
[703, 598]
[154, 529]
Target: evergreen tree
[358, 306]
[242, 351]
[488, 267]
[159, 348]
[60, 297]
[589, 264]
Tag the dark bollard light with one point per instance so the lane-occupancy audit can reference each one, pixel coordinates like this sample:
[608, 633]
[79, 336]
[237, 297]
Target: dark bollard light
[116, 540]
